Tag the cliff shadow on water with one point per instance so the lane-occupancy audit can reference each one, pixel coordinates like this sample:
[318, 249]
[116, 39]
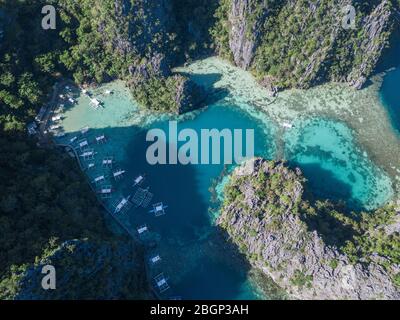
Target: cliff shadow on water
[207, 82]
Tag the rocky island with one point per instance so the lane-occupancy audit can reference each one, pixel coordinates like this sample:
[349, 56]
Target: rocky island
[266, 214]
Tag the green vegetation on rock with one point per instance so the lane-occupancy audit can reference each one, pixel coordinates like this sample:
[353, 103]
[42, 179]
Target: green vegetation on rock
[275, 221]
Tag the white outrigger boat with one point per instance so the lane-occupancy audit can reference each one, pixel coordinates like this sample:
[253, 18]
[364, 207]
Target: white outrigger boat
[123, 203]
[105, 192]
[99, 179]
[84, 130]
[88, 155]
[158, 209]
[55, 127]
[138, 180]
[118, 174]
[287, 125]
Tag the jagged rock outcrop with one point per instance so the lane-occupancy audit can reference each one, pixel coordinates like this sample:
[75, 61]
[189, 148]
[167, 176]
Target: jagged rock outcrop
[88, 270]
[266, 226]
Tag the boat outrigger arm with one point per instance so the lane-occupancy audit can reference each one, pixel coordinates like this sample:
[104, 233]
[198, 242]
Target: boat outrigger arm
[121, 205]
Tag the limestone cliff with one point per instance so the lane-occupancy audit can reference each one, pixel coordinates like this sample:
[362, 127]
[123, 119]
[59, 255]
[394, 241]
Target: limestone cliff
[245, 35]
[264, 215]
[304, 43]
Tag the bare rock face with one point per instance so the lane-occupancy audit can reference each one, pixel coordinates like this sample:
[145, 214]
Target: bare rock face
[281, 245]
[244, 35]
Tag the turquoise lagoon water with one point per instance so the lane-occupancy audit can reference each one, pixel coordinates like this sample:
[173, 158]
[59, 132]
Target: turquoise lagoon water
[333, 164]
[195, 258]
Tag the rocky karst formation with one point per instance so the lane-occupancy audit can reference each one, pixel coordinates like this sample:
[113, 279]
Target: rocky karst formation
[261, 214]
[304, 43]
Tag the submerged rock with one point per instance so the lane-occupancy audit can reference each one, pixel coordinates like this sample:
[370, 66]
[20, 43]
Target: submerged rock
[262, 215]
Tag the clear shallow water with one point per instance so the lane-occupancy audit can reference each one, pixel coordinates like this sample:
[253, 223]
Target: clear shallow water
[194, 257]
